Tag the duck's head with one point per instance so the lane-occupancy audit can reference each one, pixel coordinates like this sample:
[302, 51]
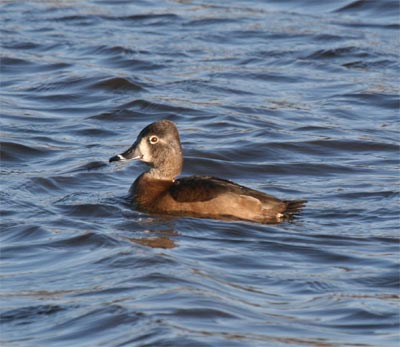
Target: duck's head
[158, 145]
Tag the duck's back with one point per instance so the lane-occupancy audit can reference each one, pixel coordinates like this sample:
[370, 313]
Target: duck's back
[204, 188]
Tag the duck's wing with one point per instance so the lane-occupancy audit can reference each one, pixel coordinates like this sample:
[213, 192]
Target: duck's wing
[196, 189]
[204, 188]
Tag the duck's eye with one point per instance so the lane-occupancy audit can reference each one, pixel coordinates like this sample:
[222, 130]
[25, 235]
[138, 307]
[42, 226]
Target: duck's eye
[153, 139]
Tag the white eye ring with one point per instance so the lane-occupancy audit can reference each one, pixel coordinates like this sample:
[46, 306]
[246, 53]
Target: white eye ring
[153, 139]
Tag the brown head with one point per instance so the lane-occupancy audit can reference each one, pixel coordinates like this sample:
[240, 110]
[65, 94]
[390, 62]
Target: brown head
[158, 145]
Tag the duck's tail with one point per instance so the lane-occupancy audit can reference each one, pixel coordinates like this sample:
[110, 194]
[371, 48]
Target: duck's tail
[293, 208]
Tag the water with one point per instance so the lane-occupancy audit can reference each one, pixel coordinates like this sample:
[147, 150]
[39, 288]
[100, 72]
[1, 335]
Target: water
[295, 98]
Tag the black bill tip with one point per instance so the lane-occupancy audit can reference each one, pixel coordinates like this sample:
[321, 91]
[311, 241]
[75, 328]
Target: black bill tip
[118, 157]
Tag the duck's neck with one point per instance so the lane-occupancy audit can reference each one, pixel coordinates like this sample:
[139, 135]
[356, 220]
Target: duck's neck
[157, 174]
[167, 172]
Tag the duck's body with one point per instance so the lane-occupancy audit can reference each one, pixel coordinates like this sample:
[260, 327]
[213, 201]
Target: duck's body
[157, 191]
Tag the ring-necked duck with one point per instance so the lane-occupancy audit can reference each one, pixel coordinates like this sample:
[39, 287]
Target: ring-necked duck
[158, 190]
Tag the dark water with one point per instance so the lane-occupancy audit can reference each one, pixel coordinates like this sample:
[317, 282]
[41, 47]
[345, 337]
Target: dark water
[295, 98]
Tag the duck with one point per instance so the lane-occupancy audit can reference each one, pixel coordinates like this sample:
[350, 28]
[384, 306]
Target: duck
[159, 190]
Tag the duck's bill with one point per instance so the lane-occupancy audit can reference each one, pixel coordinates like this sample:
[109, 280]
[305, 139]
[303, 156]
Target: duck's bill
[132, 153]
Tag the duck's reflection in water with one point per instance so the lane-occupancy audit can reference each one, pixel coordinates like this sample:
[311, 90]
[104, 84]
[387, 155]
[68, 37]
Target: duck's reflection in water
[157, 241]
